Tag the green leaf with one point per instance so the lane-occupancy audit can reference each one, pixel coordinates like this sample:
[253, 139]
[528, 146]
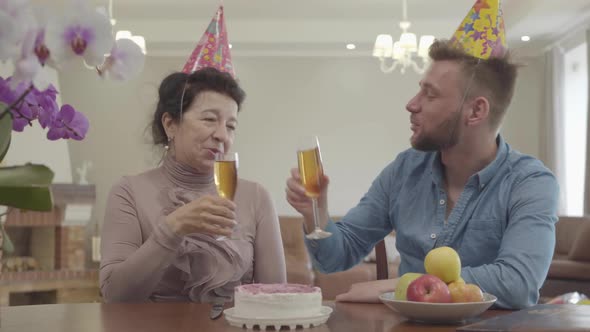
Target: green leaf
[5, 131]
[28, 198]
[26, 187]
[25, 176]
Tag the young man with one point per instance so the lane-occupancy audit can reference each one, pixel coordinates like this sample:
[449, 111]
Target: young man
[461, 185]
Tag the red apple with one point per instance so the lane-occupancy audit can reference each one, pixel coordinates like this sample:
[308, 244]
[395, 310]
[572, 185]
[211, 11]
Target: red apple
[429, 288]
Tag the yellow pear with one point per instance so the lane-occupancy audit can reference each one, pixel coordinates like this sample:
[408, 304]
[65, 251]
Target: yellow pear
[443, 262]
[402, 285]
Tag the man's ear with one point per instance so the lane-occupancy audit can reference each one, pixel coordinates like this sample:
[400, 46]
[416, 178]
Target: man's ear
[479, 111]
[169, 124]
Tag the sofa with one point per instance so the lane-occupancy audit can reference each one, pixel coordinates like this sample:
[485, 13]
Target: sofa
[570, 267]
[300, 269]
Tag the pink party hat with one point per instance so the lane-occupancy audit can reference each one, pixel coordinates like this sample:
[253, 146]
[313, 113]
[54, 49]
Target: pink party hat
[481, 34]
[213, 48]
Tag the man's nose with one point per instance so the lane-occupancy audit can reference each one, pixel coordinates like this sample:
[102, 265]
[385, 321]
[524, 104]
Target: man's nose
[412, 105]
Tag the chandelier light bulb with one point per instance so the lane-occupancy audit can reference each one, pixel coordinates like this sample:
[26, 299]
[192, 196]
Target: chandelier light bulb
[383, 46]
[404, 53]
[408, 41]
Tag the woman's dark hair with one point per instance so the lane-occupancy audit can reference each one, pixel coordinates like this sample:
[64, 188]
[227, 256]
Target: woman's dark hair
[184, 88]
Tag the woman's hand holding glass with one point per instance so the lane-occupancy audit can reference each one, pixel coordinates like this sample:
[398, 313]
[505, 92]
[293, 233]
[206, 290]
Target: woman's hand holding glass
[226, 179]
[209, 214]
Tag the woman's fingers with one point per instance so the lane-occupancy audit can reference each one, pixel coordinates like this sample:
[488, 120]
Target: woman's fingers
[219, 221]
[221, 211]
[214, 229]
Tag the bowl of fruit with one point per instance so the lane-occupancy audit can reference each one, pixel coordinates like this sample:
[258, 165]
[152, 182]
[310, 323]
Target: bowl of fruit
[439, 296]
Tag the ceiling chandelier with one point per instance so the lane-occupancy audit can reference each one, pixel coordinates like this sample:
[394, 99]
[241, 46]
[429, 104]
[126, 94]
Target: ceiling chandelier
[405, 52]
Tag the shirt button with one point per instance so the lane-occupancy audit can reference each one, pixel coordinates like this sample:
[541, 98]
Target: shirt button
[442, 202]
[433, 236]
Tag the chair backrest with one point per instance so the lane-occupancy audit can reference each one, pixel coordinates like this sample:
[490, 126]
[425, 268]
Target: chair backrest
[299, 268]
[381, 258]
[566, 232]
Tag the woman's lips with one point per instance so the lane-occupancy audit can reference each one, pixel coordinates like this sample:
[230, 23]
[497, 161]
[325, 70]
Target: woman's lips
[212, 153]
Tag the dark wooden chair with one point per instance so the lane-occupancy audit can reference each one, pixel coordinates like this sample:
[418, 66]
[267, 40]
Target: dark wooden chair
[381, 258]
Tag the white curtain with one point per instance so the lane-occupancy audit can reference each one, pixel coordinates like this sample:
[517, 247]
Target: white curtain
[553, 153]
[587, 173]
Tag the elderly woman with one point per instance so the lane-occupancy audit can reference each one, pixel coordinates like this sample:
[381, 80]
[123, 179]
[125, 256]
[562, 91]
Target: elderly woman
[161, 231]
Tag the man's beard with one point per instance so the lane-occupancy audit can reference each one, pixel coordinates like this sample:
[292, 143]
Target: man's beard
[445, 136]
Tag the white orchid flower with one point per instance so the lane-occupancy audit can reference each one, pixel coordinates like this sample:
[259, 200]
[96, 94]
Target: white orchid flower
[15, 19]
[80, 32]
[27, 66]
[125, 61]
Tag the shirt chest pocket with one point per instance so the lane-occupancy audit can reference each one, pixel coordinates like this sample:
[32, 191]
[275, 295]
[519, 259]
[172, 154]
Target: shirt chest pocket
[481, 241]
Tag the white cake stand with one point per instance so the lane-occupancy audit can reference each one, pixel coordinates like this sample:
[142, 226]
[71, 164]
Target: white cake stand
[264, 323]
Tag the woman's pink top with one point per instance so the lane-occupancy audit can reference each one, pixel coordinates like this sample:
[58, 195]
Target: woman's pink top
[143, 260]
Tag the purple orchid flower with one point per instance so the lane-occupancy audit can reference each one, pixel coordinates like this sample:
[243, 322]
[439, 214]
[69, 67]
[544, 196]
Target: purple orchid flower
[24, 112]
[68, 124]
[46, 105]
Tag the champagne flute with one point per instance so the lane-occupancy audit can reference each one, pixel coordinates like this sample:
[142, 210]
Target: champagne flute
[226, 176]
[311, 170]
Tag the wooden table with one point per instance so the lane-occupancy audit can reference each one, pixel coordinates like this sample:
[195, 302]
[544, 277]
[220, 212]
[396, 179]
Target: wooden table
[179, 317]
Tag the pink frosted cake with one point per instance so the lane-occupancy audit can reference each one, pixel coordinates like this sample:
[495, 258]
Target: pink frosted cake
[277, 301]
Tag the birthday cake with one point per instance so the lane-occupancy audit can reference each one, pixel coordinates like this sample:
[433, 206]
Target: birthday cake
[277, 301]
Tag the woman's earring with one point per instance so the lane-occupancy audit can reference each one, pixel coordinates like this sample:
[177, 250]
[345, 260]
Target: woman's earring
[167, 146]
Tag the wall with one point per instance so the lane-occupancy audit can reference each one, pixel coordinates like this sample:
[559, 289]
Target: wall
[357, 112]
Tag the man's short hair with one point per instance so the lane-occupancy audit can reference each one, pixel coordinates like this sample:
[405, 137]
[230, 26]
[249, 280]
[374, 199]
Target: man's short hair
[493, 78]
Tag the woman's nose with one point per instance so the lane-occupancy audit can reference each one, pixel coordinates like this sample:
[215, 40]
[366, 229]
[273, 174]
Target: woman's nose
[221, 133]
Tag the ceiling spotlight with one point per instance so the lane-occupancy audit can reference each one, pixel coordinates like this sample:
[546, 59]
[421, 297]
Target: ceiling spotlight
[525, 38]
[350, 46]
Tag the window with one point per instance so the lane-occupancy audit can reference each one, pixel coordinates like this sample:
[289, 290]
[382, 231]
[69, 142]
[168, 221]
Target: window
[575, 103]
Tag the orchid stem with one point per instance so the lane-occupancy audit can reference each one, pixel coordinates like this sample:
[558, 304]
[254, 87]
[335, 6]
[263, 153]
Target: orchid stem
[16, 102]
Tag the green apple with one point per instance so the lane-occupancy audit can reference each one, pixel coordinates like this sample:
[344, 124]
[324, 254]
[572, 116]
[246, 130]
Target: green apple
[402, 284]
[443, 262]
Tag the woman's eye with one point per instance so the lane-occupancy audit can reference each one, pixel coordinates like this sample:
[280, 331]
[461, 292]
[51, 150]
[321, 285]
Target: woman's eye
[210, 119]
[231, 127]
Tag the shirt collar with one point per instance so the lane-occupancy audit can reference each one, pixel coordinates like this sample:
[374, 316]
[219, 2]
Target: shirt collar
[484, 176]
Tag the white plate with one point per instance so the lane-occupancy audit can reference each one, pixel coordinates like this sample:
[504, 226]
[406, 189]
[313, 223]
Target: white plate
[439, 313]
[264, 323]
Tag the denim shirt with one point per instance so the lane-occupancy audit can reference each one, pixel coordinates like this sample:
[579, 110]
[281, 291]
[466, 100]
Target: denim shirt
[502, 225]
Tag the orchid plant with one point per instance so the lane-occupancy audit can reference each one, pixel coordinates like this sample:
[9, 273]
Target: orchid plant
[31, 38]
